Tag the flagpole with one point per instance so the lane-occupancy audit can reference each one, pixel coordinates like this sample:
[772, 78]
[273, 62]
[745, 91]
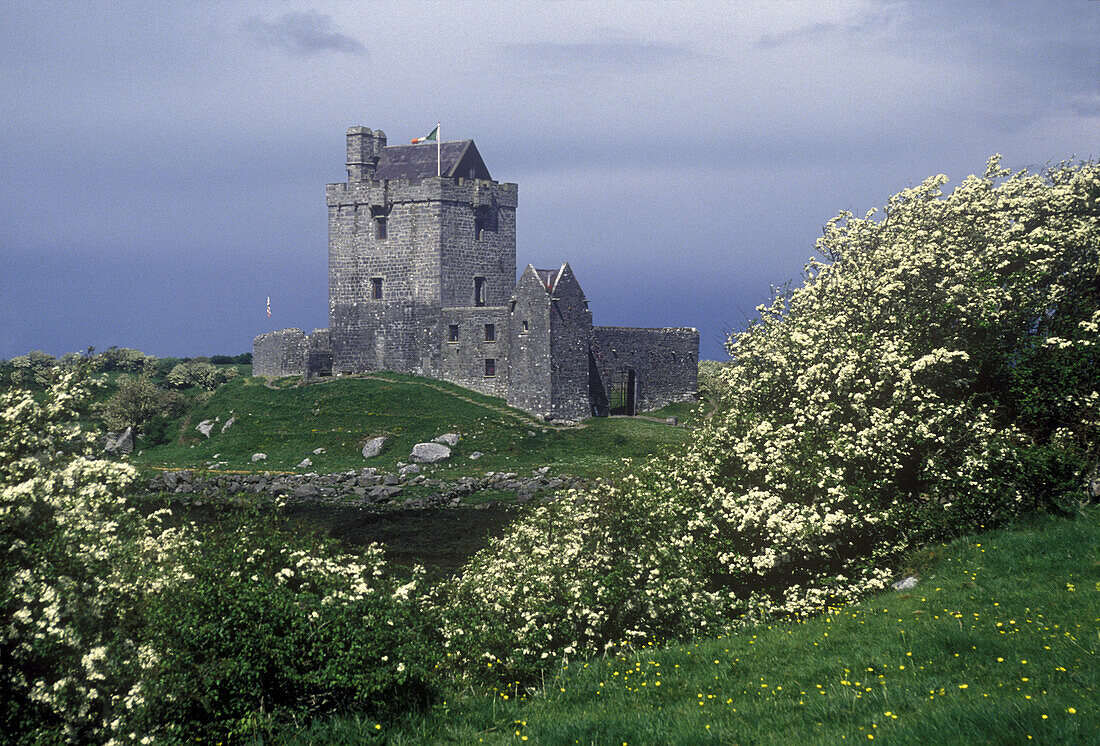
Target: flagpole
[438, 154]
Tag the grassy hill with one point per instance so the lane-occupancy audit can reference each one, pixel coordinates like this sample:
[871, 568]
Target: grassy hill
[998, 643]
[289, 422]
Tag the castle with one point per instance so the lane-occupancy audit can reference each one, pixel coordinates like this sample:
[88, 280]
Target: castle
[422, 280]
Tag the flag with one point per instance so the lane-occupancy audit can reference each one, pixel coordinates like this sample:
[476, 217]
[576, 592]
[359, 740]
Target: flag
[269, 306]
[432, 136]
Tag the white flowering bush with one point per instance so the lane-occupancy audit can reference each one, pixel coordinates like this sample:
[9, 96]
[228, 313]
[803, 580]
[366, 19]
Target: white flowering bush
[65, 584]
[201, 374]
[115, 627]
[935, 372]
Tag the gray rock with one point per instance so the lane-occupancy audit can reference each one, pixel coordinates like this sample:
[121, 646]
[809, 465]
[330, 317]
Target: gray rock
[170, 480]
[258, 457]
[410, 469]
[306, 490]
[390, 479]
[121, 443]
[430, 453]
[476, 455]
[906, 584]
[448, 439]
[374, 446]
[229, 423]
[306, 463]
[672, 421]
[318, 451]
[205, 427]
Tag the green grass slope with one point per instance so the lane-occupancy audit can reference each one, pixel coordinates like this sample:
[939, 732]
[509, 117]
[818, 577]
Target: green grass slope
[997, 644]
[289, 422]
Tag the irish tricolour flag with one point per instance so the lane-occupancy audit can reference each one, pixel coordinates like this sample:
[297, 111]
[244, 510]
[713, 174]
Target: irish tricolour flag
[432, 136]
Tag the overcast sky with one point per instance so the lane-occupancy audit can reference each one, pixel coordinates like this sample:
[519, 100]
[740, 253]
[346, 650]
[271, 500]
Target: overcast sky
[163, 164]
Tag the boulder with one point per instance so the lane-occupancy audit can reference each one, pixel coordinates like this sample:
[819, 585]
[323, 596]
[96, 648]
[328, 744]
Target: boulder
[318, 451]
[306, 463]
[122, 442]
[258, 457]
[205, 427]
[410, 469]
[374, 446]
[448, 439]
[305, 491]
[229, 423]
[430, 453]
[906, 584]
[476, 455]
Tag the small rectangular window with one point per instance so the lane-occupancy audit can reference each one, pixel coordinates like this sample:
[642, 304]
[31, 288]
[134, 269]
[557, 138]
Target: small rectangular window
[490, 332]
[376, 288]
[490, 367]
[525, 325]
[479, 291]
[452, 333]
[380, 228]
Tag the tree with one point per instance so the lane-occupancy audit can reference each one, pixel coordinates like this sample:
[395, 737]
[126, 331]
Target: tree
[138, 401]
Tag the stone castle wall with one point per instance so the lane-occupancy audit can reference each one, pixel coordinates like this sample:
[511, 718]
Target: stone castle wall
[280, 353]
[467, 350]
[665, 361]
[570, 335]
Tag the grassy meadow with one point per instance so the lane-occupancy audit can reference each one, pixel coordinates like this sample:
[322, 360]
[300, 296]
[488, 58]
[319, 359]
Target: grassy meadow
[998, 643]
[288, 422]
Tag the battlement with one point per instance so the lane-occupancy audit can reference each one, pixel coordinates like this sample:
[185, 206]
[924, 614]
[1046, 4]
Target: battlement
[476, 192]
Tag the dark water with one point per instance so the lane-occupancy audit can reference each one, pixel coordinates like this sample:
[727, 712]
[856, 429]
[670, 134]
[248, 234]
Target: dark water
[440, 539]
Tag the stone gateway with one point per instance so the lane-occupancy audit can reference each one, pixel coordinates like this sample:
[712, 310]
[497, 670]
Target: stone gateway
[422, 280]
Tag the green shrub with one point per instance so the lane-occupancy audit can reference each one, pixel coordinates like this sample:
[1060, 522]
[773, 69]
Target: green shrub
[244, 358]
[139, 403]
[126, 360]
[164, 366]
[36, 368]
[262, 626]
[710, 381]
[201, 374]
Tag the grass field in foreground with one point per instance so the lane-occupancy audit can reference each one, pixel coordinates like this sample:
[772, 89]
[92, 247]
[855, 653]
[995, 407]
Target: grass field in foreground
[290, 422]
[997, 644]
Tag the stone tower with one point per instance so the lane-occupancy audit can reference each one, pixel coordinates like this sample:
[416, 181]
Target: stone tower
[405, 243]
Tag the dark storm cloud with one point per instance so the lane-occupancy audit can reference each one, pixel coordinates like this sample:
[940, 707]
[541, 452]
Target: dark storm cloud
[613, 53]
[301, 34]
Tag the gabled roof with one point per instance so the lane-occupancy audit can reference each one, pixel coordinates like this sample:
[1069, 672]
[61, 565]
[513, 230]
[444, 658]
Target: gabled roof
[458, 158]
[549, 277]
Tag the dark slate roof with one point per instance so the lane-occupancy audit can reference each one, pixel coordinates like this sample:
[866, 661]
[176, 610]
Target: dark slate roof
[458, 159]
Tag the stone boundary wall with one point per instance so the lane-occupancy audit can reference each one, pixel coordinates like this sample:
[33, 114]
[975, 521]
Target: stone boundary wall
[279, 353]
[665, 361]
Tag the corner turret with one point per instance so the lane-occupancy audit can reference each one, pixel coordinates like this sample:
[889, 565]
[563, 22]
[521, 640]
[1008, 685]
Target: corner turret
[364, 150]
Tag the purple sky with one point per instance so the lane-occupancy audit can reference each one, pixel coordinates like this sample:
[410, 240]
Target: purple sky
[163, 164]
